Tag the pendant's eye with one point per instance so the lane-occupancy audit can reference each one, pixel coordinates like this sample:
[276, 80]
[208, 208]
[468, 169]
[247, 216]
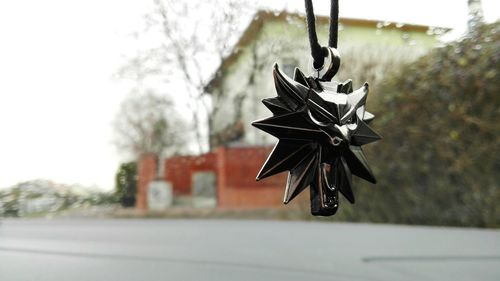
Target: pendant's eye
[318, 118]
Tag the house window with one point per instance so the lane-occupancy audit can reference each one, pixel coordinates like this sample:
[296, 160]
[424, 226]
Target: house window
[288, 66]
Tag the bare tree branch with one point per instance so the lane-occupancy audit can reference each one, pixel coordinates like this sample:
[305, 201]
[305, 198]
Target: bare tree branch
[189, 38]
[148, 123]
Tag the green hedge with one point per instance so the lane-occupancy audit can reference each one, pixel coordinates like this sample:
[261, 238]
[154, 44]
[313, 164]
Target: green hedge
[126, 184]
[439, 161]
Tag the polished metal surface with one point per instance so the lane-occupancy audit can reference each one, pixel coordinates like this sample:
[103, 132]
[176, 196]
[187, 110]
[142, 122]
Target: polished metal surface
[321, 127]
[330, 65]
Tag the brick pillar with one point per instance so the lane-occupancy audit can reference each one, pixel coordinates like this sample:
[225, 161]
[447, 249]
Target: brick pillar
[147, 171]
[220, 173]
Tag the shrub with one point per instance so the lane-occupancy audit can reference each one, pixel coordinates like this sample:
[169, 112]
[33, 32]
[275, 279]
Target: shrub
[126, 184]
[439, 161]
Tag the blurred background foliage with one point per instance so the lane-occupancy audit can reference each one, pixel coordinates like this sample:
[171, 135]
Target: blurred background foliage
[126, 184]
[439, 161]
[41, 197]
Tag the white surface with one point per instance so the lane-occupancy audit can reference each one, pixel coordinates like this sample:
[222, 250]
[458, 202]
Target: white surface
[160, 195]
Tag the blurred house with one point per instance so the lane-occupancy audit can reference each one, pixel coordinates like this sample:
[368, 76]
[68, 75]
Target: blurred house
[369, 50]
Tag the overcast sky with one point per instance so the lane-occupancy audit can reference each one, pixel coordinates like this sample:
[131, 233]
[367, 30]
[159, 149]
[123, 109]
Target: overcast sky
[58, 96]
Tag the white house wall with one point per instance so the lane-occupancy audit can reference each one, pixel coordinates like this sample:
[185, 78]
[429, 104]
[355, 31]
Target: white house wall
[285, 42]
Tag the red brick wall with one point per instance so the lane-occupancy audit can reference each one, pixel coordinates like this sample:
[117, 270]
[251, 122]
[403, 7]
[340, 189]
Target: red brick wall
[146, 173]
[178, 170]
[237, 187]
[235, 169]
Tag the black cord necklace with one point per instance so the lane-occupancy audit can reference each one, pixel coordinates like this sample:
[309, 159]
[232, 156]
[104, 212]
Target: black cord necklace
[321, 126]
[317, 52]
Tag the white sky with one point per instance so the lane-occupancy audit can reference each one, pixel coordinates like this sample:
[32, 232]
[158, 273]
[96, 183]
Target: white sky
[58, 96]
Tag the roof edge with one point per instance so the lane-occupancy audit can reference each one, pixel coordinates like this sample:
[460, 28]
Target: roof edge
[261, 15]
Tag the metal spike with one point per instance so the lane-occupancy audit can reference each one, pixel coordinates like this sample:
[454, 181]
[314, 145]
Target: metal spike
[290, 126]
[364, 135]
[300, 177]
[300, 77]
[276, 106]
[293, 93]
[358, 164]
[285, 156]
[343, 179]
[368, 117]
